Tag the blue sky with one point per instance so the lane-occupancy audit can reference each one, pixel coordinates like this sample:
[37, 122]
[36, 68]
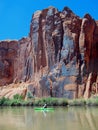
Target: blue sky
[15, 15]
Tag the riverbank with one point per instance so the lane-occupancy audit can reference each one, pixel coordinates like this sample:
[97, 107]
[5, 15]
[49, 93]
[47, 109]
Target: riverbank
[18, 101]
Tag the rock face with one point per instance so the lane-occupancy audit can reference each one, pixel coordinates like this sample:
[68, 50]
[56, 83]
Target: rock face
[59, 57]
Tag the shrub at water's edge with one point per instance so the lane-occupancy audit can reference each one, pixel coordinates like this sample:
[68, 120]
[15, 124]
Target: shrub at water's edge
[51, 102]
[18, 101]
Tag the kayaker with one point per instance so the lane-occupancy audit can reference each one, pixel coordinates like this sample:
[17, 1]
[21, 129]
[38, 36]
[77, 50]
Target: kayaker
[45, 106]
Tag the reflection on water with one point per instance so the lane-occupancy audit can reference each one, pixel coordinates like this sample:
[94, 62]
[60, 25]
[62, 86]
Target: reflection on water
[60, 119]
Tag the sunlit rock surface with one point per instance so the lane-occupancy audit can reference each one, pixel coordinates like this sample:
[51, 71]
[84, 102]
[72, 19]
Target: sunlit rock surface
[59, 58]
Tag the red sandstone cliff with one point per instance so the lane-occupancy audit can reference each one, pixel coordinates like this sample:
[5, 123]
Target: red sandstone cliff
[59, 57]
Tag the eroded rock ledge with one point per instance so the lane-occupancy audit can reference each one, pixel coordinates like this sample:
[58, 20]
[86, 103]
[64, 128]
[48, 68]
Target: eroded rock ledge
[59, 57]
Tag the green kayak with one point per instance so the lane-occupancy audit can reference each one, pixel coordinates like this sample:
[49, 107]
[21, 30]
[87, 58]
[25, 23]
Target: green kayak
[44, 109]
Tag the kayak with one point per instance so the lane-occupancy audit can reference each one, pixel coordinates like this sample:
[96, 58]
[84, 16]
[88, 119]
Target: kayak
[44, 109]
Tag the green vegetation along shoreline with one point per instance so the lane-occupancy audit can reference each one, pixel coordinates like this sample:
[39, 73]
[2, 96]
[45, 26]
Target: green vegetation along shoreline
[18, 101]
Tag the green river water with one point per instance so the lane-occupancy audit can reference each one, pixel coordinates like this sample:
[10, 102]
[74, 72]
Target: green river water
[26, 118]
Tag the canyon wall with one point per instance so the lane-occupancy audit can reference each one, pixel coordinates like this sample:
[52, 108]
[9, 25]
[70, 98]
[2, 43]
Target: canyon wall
[59, 58]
